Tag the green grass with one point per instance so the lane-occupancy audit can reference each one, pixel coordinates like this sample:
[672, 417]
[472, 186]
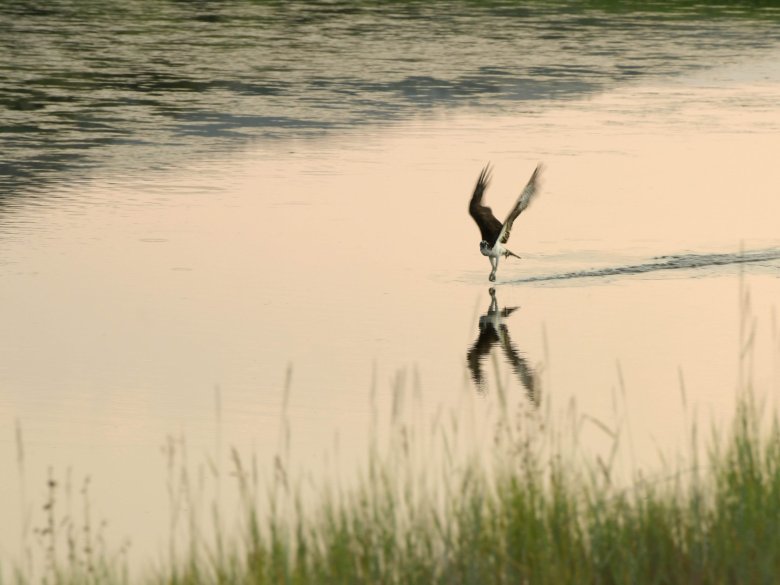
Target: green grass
[541, 522]
[519, 516]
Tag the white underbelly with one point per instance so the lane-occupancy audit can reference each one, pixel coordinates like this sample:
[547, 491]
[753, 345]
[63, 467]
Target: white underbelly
[497, 251]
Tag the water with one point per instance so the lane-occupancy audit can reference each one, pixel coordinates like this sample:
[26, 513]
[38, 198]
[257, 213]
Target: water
[196, 199]
[86, 87]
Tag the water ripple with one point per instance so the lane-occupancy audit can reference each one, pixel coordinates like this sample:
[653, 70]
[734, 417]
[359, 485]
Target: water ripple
[675, 262]
[89, 85]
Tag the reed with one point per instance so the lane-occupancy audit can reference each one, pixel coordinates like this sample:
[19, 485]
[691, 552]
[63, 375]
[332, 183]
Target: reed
[539, 520]
[529, 512]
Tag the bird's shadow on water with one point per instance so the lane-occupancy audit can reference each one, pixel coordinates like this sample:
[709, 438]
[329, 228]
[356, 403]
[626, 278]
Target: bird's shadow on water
[493, 330]
[661, 263]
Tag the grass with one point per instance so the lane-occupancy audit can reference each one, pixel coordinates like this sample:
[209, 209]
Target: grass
[521, 516]
[540, 522]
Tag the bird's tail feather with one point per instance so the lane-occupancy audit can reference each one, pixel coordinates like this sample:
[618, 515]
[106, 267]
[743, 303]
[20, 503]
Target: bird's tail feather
[510, 253]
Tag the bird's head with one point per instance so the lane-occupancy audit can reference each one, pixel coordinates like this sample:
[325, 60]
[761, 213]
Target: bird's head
[484, 248]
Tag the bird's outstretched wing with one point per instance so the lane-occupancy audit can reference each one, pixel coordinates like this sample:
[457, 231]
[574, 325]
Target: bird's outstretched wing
[528, 194]
[488, 224]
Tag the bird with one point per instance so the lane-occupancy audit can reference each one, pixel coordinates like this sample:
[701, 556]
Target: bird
[494, 233]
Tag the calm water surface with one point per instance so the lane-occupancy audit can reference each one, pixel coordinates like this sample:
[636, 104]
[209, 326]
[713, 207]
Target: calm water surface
[196, 197]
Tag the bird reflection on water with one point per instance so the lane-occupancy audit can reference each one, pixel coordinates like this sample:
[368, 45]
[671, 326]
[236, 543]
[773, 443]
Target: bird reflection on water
[493, 330]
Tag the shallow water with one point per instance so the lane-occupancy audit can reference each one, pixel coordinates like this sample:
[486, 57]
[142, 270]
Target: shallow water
[162, 282]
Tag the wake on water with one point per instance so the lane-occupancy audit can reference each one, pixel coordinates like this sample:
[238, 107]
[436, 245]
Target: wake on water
[676, 262]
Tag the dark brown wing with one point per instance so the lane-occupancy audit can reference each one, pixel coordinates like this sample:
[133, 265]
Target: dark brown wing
[488, 224]
[528, 194]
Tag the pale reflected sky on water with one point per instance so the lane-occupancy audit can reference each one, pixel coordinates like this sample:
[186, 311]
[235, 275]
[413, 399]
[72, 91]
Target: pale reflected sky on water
[127, 301]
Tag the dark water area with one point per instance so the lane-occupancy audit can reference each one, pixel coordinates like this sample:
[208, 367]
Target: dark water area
[124, 87]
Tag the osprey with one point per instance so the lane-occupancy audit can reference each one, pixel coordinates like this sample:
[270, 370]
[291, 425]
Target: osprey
[494, 233]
